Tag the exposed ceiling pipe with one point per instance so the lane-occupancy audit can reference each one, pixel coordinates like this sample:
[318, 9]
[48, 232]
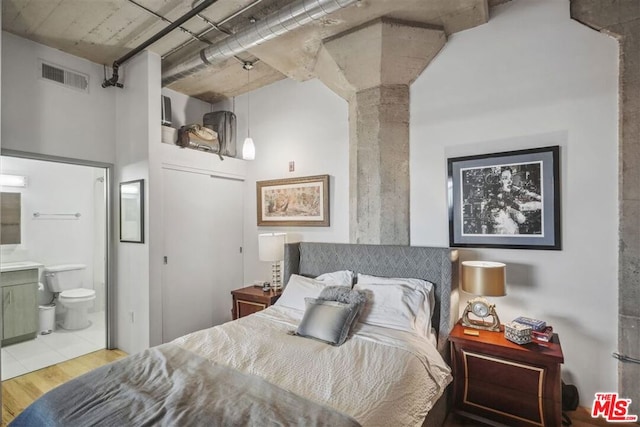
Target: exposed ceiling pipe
[214, 26]
[289, 18]
[183, 29]
[113, 81]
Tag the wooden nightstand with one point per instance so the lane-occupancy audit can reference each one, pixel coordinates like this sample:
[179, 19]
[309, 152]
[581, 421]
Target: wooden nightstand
[252, 299]
[501, 383]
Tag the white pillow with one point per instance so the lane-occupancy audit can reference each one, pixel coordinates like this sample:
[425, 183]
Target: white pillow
[413, 283]
[398, 303]
[338, 278]
[298, 288]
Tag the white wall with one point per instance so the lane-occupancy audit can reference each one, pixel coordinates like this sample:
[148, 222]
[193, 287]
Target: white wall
[43, 117]
[138, 125]
[301, 122]
[533, 77]
[185, 109]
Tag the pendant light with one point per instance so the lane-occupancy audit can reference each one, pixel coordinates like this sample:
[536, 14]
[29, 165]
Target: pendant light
[248, 147]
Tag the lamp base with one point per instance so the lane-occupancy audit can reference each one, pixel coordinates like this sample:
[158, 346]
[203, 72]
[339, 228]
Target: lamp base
[276, 280]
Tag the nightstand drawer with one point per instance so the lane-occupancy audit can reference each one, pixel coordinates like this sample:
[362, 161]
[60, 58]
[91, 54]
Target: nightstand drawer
[487, 369]
[245, 308]
[250, 300]
[507, 405]
[498, 382]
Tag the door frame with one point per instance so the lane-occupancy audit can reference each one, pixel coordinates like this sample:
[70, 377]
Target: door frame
[110, 299]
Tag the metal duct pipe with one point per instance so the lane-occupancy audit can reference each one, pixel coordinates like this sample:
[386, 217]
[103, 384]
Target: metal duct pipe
[289, 18]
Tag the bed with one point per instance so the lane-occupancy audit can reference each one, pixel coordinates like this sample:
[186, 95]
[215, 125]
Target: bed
[257, 371]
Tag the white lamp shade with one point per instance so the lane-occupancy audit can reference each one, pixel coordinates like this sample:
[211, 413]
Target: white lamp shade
[248, 149]
[271, 246]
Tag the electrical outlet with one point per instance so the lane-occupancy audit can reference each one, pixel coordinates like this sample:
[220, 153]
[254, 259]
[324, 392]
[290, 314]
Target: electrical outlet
[292, 166]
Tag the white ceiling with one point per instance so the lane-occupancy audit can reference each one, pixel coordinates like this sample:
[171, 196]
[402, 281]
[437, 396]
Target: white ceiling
[105, 30]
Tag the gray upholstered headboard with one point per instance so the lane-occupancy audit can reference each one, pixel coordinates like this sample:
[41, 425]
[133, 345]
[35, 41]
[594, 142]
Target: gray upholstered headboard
[437, 265]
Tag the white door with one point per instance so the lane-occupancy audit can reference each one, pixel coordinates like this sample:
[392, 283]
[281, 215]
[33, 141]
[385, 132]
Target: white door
[203, 237]
[227, 196]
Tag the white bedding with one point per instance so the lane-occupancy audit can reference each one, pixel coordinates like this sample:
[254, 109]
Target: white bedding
[380, 377]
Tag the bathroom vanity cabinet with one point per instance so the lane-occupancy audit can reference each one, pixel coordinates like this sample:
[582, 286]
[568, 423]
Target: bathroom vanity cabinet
[20, 302]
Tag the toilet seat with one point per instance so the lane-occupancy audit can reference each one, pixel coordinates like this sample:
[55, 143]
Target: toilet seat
[78, 293]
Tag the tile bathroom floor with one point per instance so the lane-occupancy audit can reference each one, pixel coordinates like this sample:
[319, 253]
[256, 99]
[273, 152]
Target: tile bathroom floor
[58, 346]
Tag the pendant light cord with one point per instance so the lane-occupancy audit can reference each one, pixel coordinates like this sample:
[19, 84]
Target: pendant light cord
[248, 66]
[248, 148]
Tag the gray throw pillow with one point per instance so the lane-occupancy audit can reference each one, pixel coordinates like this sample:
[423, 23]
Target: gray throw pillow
[329, 317]
[343, 294]
[346, 296]
[328, 321]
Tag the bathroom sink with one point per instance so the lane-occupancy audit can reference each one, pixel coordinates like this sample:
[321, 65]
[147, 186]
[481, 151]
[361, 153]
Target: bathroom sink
[20, 265]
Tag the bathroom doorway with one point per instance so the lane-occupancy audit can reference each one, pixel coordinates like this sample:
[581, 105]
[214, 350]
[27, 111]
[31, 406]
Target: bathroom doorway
[63, 224]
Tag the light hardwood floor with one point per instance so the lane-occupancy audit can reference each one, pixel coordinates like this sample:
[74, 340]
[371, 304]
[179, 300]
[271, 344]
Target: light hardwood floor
[19, 392]
[579, 418]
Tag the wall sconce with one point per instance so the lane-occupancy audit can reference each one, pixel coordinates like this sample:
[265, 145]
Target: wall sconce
[13, 180]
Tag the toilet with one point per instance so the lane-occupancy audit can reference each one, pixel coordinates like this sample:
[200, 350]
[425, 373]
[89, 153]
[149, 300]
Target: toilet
[66, 280]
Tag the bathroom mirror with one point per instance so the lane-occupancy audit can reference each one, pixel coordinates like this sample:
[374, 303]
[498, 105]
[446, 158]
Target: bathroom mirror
[132, 211]
[10, 214]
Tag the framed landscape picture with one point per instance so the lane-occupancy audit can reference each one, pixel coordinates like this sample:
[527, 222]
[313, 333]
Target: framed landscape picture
[505, 200]
[294, 201]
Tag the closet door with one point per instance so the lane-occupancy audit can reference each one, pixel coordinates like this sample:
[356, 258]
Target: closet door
[228, 235]
[202, 240]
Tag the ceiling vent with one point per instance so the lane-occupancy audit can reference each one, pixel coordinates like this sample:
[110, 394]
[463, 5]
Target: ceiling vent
[63, 76]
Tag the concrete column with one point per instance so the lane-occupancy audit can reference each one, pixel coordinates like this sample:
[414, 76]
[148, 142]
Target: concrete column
[621, 18]
[372, 67]
[379, 165]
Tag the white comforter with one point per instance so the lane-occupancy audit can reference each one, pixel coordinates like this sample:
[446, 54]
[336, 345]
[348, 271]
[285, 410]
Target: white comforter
[380, 377]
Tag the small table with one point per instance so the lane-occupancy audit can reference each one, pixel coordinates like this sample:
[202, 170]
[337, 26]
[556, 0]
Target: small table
[501, 383]
[252, 299]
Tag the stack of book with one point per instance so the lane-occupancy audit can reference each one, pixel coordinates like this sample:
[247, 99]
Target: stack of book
[543, 335]
[540, 331]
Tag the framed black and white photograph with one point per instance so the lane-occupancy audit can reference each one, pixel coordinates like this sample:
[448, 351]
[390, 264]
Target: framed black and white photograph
[132, 211]
[505, 200]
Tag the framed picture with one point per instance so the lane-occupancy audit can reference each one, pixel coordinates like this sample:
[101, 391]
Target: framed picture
[505, 200]
[132, 211]
[294, 201]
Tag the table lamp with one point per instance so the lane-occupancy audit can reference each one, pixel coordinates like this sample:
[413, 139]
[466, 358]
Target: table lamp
[271, 249]
[482, 278]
